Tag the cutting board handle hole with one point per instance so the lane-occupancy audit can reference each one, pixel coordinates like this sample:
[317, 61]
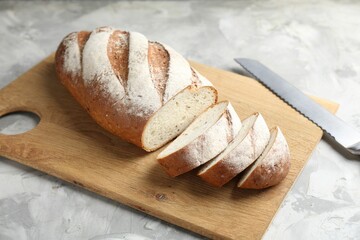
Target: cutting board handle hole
[18, 122]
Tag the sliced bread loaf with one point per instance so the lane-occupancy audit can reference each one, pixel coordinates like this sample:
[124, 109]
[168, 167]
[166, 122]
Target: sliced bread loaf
[241, 152]
[271, 167]
[207, 136]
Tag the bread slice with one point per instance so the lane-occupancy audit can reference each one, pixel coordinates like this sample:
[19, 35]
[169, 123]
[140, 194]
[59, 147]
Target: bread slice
[271, 167]
[241, 152]
[205, 138]
[172, 119]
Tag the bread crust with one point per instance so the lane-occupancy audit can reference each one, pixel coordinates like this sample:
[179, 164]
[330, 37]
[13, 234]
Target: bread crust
[116, 114]
[223, 171]
[248, 150]
[273, 168]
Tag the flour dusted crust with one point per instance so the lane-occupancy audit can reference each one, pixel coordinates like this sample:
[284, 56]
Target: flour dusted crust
[96, 66]
[178, 77]
[254, 138]
[72, 53]
[205, 146]
[142, 96]
[272, 167]
[121, 78]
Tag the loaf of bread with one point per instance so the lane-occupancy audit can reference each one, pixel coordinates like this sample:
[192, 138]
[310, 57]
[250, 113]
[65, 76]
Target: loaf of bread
[241, 152]
[205, 138]
[142, 91]
[148, 94]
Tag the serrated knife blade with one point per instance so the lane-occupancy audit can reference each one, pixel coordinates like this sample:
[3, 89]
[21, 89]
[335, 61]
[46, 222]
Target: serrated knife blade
[344, 134]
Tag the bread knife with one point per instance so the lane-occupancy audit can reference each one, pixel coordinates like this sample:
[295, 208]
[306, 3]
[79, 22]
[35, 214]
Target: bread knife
[344, 134]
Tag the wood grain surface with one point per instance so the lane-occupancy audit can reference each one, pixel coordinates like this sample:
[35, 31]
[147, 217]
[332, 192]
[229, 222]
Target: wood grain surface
[69, 145]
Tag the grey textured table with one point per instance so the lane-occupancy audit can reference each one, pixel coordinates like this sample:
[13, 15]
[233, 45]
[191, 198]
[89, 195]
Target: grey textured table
[315, 45]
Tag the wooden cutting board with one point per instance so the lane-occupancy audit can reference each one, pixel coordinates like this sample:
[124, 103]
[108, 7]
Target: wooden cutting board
[69, 145]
